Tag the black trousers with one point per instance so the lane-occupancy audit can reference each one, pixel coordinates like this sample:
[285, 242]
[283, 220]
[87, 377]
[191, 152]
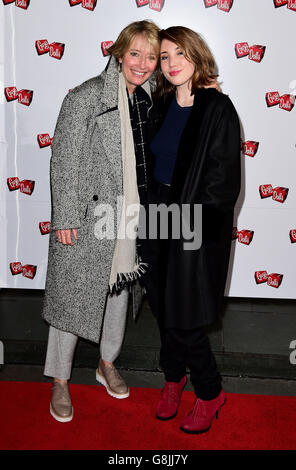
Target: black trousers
[179, 348]
[153, 252]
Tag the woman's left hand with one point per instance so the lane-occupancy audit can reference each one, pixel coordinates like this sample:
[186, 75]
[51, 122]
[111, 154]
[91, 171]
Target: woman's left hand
[64, 236]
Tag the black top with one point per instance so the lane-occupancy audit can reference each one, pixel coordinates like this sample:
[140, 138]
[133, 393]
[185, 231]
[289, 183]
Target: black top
[166, 142]
[139, 107]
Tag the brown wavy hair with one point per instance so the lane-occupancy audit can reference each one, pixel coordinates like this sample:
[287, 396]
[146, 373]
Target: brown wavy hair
[196, 51]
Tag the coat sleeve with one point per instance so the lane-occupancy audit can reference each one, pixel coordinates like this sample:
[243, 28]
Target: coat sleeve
[64, 166]
[222, 173]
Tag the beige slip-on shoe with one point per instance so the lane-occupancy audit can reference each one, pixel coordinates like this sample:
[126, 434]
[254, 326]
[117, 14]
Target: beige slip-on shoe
[112, 380]
[61, 407]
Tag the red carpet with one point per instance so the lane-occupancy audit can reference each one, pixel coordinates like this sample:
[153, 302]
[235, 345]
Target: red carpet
[246, 422]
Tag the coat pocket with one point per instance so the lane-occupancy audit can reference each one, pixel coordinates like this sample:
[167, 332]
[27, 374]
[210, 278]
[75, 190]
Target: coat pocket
[85, 212]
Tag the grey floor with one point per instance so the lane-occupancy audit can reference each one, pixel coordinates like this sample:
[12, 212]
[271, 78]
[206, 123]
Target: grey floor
[252, 345]
[148, 379]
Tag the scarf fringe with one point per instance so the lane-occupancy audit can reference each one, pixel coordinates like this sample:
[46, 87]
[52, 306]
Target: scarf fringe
[126, 279]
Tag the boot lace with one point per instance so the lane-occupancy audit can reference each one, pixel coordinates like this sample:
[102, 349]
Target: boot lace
[170, 392]
[199, 409]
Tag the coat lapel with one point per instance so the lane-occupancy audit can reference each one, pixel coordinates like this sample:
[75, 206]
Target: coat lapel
[110, 131]
[108, 120]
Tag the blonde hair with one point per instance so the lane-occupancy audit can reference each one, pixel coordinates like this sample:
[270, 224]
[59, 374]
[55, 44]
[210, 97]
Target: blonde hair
[196, 51]
[147, 27]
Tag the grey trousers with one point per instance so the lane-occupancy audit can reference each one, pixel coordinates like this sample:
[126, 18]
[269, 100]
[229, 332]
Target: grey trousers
[61, 344]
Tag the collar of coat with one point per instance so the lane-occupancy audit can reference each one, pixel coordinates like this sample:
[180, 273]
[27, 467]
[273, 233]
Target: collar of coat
[109, 95]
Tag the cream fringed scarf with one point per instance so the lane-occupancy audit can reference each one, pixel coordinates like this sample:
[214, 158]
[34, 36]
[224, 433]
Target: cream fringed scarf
[125, 265]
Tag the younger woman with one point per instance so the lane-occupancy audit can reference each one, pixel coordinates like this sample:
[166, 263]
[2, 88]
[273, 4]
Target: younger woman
[197, 161]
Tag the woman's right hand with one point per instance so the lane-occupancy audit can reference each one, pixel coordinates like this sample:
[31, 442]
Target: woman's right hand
[64, 236]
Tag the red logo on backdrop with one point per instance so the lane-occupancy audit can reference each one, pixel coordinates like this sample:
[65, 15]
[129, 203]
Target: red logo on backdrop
[250, 148]
[291, 4]
[265, 190]
[272, 280]
[224, 5]
[44, 227]
[13, 183]
[278, 194]
[285, 102]
[55, 49]
[241, 49]
[210, 3]
[242, 236]
[156, 5]
[16, 268]
[18, 3]
[280, 3]
[23, 96]
[142, 3]
[25, 186]
[28, 270]
[42, 46]
[272, 98]
[293, 235]
[255, 52]
[11, 93]
[44, 140]
[261, 276]
[88, 4]
[104, 47]
[22, 3]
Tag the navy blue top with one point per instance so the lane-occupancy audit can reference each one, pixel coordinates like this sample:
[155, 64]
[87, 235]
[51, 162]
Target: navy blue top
[166, 142]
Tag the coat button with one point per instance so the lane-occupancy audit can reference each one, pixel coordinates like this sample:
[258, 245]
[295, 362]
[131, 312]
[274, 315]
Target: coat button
[95, 197]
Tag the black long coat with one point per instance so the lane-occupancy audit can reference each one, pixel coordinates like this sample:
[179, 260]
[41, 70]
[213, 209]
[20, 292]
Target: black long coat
[207, 172]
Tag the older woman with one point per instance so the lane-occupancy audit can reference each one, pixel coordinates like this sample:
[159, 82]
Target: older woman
[197, 152]
[98, 163]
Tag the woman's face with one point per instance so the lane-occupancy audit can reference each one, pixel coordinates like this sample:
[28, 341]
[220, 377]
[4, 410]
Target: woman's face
[174, 65]
[138, 62]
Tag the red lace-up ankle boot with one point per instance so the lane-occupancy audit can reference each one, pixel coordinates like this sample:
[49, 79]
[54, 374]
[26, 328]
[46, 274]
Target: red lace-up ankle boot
[170, 399]
[199, 419]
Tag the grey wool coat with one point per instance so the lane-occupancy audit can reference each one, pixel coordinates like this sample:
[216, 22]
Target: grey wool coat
[86, 170]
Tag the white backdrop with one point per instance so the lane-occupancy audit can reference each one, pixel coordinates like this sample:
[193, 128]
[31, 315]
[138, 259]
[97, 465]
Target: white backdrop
[82, 28]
